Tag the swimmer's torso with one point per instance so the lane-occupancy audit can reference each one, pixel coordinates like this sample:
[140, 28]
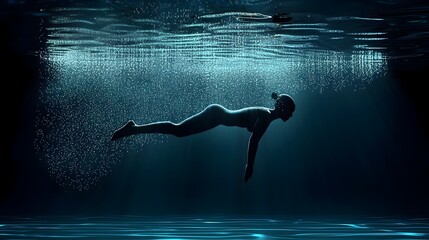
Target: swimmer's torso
[245, 117]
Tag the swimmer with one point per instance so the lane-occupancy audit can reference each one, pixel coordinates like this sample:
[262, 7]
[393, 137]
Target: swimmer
[255, 119]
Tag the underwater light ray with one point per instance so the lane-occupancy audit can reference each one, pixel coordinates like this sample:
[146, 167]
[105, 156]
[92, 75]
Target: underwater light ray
[107, 70]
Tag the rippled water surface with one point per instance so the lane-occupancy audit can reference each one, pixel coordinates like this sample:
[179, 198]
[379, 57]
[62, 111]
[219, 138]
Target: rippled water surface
[103, 62]
[125, 55]
[133, 227]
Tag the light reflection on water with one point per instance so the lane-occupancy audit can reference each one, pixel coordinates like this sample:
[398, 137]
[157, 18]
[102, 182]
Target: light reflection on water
[179, 227]
[126, 57]
[102, 68]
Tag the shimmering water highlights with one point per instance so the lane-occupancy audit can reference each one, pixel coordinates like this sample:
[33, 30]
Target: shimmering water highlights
[135, 227]
[96, 57]
[108, 62]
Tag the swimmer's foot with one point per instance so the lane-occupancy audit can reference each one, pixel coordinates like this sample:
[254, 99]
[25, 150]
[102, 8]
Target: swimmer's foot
[124, 131]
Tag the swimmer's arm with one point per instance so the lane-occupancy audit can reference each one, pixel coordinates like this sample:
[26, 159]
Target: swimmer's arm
[257, 134]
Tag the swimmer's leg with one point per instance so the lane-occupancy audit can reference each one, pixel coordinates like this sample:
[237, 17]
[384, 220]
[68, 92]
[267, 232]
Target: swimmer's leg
[214, 115]
[209, 118]
[131, 128]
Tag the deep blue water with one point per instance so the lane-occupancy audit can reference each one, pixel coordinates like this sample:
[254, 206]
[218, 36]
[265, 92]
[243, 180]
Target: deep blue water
[218, 227]
[357, 144]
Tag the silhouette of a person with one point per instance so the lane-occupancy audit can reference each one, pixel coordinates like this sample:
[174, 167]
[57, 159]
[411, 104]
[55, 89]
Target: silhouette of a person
[255, 119]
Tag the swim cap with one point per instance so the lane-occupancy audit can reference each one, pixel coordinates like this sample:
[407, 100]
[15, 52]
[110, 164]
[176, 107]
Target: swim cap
[283, 101]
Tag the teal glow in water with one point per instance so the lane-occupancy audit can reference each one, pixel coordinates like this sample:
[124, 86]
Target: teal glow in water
[355, 225]
[104, 71]
[227, 228]
[258, 235]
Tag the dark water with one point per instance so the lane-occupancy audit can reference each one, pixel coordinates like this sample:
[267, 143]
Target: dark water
[192, 227]
[357, 144]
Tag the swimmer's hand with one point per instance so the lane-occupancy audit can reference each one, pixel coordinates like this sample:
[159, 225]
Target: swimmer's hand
[249, 172]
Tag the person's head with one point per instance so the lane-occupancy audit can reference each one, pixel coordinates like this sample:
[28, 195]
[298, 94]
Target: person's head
[284, 104]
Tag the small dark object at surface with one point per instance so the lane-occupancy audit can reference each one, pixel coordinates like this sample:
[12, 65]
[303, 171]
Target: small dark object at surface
[281, 18]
